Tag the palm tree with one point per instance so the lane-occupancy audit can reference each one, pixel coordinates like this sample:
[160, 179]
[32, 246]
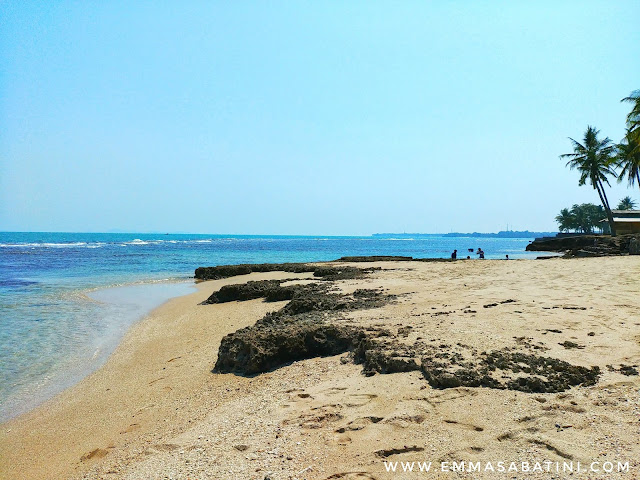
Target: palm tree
[626, 204]
[594, 159]
[628, 158]
[633, 119]
[566, 220]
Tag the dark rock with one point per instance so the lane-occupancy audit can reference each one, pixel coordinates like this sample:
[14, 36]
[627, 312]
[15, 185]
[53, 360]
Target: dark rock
[587, 245]
[297, 331]
[628, 370]
[308, 326]
[325, 272]
[226, 271]
[387, 357]
[579, 253]
[342, 273]
[541, 374]
[445, 380]
[397, 451]
[256, 350]
[563, 244]
[250, 290]
[376, 258]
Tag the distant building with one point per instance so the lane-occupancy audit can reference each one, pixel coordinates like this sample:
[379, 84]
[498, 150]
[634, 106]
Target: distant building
[625, 221]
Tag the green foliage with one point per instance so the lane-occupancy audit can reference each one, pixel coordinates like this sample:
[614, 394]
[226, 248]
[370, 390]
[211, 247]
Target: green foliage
[626, 204]
[594, 159]
[584, 218]
[633, 118]
[628, 158]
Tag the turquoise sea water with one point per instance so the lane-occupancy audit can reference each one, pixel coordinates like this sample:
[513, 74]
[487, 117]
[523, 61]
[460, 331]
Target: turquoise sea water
[66, 299]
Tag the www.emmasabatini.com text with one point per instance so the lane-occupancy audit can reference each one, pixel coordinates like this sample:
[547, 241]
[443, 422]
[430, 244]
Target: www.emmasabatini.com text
[507, 467]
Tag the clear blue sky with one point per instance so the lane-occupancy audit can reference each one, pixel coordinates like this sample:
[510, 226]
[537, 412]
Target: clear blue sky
[323, 117]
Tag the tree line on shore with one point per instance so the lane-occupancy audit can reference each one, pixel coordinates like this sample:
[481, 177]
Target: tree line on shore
[597, 160]
[587, 217]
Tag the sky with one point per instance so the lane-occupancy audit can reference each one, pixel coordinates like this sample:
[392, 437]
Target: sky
[294, 117]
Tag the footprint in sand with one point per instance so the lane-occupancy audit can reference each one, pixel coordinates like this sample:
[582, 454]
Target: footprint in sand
[397, 451]
[359, 424]
[131, 428]
[404, 421]
[166, 447]
[449, 395]
[317, 419]
[333, 390]
[467, 426]
[351, 476]
[94, 454]
[359, 399]
[546, 444]
[342, 439]
[475, 449]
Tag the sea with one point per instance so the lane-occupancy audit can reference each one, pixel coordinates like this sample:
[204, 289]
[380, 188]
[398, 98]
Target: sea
[67, 299]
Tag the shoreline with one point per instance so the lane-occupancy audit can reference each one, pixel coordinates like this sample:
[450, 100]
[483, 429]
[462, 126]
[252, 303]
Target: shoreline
[124, 306]
[63, 418]
[156, 407]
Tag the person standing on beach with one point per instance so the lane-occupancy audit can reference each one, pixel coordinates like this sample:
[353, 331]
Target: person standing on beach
[454, 255]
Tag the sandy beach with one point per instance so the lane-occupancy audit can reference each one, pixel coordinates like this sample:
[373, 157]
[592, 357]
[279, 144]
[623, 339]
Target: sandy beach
[157, 411]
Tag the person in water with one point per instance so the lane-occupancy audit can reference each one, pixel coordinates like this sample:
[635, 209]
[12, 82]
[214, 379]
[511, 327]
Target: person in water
[454, 255]
[481, 253]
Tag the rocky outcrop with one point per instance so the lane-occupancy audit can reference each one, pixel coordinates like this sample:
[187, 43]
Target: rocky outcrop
[226, 271]
[324, 272]
[259, 349]
[508, 370]
[313, 324]
[297, 331]
[268, 289]
[587, 245]
[390, 258]
[376, 258]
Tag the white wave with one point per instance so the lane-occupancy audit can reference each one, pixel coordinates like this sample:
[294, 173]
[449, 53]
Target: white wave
[136, 241]
[64, 245]
[43, 245]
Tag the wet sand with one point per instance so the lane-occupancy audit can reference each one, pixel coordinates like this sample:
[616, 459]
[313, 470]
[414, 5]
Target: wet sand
[155, 410]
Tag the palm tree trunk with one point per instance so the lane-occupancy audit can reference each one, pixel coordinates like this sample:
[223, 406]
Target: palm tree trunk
[605, 203]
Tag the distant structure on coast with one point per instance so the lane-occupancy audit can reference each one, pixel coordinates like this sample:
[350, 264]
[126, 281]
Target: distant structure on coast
[625, 221]
[501, 234]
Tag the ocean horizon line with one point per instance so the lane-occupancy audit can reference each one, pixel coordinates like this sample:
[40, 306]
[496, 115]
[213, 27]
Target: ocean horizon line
[525, 234]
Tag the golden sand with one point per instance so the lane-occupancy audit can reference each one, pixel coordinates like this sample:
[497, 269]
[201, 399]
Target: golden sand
[155, 410]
